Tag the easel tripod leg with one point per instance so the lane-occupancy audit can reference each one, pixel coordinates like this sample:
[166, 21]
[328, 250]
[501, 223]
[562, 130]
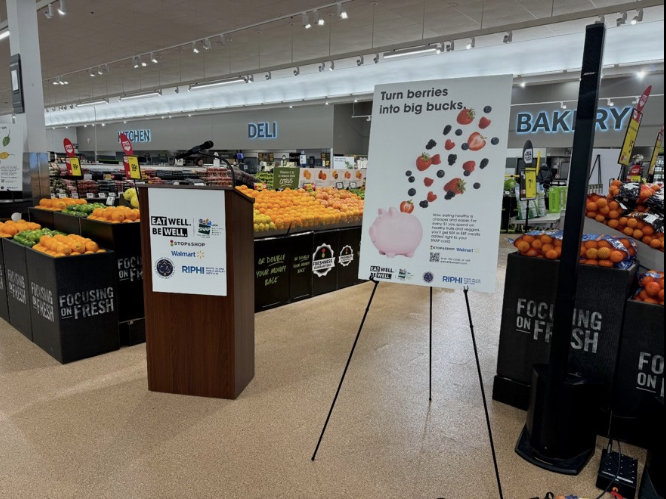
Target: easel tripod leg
[344, 374]
[483, 394]
[431, 310]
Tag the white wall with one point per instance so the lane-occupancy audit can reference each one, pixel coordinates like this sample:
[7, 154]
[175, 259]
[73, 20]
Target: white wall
[55, 138]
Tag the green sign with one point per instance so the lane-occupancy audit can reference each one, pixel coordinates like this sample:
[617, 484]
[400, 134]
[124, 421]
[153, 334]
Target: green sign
[286, 178]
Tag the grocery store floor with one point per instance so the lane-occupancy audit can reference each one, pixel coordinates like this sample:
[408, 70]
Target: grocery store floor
[93, 430]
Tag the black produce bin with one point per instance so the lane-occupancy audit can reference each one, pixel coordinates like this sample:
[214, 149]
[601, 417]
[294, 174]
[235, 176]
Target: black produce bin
[18, 290]
[271, 270]
[125, 241]
[640, 375]
[348, 257]
[529, 294]
[4, 306]
[325, 266]
[301, 247]
[67, 223]
[74, 307]
[42, 217]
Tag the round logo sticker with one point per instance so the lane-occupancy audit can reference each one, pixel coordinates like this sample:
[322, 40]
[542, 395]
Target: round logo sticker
[165, 268]
[428, 277]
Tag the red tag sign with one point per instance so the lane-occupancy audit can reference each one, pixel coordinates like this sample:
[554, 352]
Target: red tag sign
[69, 148]
[642, 102]
[126, 145]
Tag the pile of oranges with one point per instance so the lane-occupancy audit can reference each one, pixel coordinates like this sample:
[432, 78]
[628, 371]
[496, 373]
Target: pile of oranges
[609, 212]
[298, 209]
[59, 204]
[600, 252]
[11, 228]
[71, 245]
[121, 214]
[652, 288]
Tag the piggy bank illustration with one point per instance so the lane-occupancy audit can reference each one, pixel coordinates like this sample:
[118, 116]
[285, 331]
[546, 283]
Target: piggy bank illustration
[396, 234]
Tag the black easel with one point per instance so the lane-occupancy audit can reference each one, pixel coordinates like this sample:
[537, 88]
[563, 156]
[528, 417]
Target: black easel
[478, 365]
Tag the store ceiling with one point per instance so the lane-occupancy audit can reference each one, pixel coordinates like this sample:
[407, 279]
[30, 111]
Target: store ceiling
[96, 32]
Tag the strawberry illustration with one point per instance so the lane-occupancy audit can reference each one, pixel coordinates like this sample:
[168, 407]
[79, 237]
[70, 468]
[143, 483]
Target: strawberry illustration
[436, 160]
[466, 116]
[484, 123]
[455, 187]
[449, 145]
[423, 162]
[476, 142]
[407, 207]
[432, 197]
[428, 182]
[470, 166]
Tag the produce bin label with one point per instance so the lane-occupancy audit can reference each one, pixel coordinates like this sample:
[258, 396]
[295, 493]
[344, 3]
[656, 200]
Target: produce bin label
[323, 260]
[434, 197]
[16, 286]
[87, 304]
[188, 241]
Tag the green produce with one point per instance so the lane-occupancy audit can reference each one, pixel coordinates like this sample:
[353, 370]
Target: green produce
[30, 238]
[359, 192]
[82, 210]
[6, 140]
[510, 184]
[265, 178]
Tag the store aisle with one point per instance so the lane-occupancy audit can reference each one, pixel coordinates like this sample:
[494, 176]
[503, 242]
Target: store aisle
[92, 429]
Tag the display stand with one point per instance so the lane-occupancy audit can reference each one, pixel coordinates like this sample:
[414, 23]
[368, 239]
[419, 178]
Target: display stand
[18, 290]
[4, 307]
[69, 224]
[42, 217]
[203, 345]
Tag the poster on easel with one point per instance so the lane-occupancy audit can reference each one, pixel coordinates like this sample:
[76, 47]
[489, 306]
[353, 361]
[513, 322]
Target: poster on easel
[11, 158]
[433, 198]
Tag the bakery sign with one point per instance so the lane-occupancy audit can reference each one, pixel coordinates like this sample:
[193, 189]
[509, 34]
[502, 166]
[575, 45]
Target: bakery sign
[137, 136]
[612, 119]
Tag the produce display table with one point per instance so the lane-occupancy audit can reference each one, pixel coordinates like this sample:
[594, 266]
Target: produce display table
[4, 307]
[42, 217]
[18, 293]
[68, 224]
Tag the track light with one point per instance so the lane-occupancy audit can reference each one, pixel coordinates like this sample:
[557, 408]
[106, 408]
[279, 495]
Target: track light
[602, 20]
[360, 61]
[218, 83]
[342, 12]
[319, 21]
[135, 62]
[92, 73]
[143, 63]
[297, 71]
[471, 44]
[4, 34]
[153, 58]
[440, 48]
[563, 105]
[622, 20]
[206, 44]
[48, 13]
[195, 49]
[62, 10]
[451, 46]
[322, 67]
[269, 76]
[332, 66]
[523, 84]
[638, 18]
[508, 38]
[142, 95]
[102, 69]
[306, 20]
[376, 59]
[611, 103]
[93, 103]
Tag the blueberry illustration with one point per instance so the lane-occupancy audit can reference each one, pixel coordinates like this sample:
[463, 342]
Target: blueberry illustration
[450, 195]
[448, 129]
[459, 132]
[488, 109]
[495, 141]
[412, 180]
[424, 204]
[452, 159]
[465, 147]
[409, 173]
[412, 192]
[467, 174]
[477, 186]
[441, 173]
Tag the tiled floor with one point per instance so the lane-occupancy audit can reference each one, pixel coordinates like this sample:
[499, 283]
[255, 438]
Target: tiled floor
[93, 430]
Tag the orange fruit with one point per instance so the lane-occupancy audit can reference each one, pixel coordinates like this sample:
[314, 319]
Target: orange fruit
[604, 244]
[592, 254]
[592, 206]
[614, 224]
[629, 232]
[594, 263]
[656, 244]
[614, 205]
[118, 216]
[604, 254]
[606, 263]
[552, 255]
[653, 289]
[591, 244]
[651, 301]
[638, 234]
[92, 246]
[537, 244]
[647, 240]
[528, 239]
[624, 221]
[661, 295]
[532, 253]
[605, 211]
[614, 214]
[600, 218]
[648, 230]
[617, 256]
[633, 223]
[546, 248]
[545, 239]
[591, 214]
[602, 203]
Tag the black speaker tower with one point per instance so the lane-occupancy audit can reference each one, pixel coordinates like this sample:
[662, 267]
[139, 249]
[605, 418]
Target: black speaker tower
[559, 435]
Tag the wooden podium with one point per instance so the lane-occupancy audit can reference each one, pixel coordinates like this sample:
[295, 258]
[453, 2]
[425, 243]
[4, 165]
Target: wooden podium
[202, 345]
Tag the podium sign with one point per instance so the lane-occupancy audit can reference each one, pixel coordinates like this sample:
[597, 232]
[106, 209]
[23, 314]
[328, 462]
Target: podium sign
[188, 242]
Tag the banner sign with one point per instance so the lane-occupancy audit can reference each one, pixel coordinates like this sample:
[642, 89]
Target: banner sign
[188, 241]
[325, 177]
[434, 198]
[657, 150]
[70, 150]
[74, 167]
[634, 127]
[11, 158]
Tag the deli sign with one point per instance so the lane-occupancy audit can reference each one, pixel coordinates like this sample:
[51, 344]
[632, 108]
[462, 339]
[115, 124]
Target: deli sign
[137, 136]
[564, 121]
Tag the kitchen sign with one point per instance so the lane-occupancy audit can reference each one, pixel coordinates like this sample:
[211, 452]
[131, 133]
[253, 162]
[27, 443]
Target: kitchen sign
[137, 136]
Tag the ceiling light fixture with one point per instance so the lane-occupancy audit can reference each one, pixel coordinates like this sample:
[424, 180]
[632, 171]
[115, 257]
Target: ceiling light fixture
[641, 74]
[135, 62]
[332, 66]
[4, 34]
[638, 18]
[306, 20]
[471, 44]
[269, 76]
[322, 67]
[62, 10]
[195, 49]
[297, 71]
[318, 20]
[611, 103]
[508, 38]
[440, 48]
[206, 44]
[360, 61]
[424, 49]
[376, 59]
[623, 20]
[451, 46]
[103, 69]
[153, 58]
[563, 105]
[199, 86]
[92, 73]
[142, 95]
[48, 13]
[523, 84]
[93, 103]
[143, 63]
[342, 12]
[223, 40]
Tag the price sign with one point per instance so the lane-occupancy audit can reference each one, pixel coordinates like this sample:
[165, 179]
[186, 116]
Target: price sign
[353, 185]
[74, 167]
[62, 196]
[90, 195]
[102, 195]
[132, 168]
[339, 185]
[53, 196]
[110, 201]
[75, 195]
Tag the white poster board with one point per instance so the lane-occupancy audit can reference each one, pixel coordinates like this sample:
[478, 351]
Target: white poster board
[344, 162]
[11, 158]
[434, 183]
[188, 241]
